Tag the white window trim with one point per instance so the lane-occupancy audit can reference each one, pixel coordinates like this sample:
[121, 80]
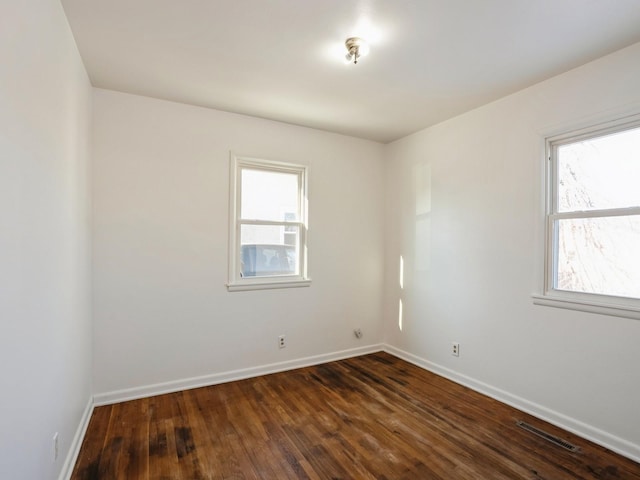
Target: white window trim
[236, 282]
[551, 296]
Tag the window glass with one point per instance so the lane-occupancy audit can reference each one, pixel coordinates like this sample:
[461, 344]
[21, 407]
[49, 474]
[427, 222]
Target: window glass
[268, 195]
[599, 173]
[265, 253]
[600, 255]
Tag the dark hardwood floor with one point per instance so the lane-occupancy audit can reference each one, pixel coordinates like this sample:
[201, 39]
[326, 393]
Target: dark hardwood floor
[370, 417]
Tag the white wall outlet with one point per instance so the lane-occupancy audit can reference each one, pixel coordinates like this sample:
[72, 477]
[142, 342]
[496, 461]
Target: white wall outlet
[455, 349]
[54, 447]
[358, 333]
[282, 341]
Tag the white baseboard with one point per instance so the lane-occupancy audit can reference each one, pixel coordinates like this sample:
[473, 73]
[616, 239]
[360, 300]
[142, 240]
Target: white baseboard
[600, 437]
[76, 443]
[108, 398]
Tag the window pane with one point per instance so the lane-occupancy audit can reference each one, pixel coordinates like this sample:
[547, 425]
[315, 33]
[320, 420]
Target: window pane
[600, 173]
[269, 195]
[600, 255]
[269, 250]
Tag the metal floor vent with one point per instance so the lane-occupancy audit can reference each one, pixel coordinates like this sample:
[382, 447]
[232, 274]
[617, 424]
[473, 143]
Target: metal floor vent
[547, 436]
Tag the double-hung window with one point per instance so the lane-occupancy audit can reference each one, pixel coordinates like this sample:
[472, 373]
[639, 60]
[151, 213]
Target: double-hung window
[268, 225]
[593, 220]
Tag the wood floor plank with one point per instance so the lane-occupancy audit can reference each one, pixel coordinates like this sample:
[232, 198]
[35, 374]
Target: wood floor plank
[370, 417]
[93, 443]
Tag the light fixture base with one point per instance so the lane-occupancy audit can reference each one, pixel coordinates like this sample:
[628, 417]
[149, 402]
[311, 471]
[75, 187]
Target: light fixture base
[356, 48]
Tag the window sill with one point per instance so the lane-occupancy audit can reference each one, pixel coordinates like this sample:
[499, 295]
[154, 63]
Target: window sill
[587, 305]
[267, 284]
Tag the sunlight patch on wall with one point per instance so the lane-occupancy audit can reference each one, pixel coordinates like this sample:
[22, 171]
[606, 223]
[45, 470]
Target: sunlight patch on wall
[422, 177]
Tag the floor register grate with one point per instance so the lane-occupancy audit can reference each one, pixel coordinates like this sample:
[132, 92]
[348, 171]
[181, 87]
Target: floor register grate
[547, 436]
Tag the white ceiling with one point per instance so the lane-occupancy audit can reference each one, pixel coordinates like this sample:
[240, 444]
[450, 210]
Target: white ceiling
[284, 59]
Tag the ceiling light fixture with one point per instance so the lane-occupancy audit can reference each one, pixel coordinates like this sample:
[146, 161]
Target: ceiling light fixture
[356, 48]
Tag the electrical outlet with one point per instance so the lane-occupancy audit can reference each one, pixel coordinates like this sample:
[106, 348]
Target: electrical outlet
[358, 333]
[282, 341]
[55, 447]
[455, 349]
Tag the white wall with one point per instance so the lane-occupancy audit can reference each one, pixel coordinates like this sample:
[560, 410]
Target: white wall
[465, 209]
[160, 203]
[45, 324]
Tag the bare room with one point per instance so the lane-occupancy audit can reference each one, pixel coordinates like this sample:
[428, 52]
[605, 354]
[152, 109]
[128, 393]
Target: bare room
[320, 239]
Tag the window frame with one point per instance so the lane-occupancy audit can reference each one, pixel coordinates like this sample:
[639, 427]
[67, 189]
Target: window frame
[573, 300]
[236, 282]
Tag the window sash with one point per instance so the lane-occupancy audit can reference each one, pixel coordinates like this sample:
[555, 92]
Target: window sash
[274, 168]
[609, 212]
[284, 224]
[553, 225]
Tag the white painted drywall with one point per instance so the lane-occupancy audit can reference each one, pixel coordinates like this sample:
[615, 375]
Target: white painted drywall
[160, 204]
[464, 209]
[45, 324]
